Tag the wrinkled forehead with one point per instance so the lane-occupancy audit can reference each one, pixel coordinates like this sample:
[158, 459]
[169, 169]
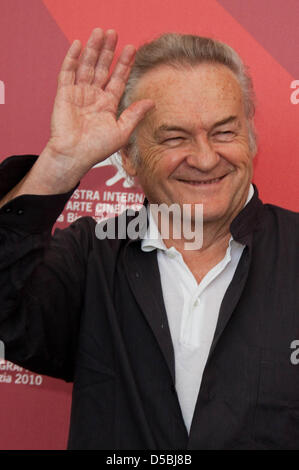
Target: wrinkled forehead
[206, 89]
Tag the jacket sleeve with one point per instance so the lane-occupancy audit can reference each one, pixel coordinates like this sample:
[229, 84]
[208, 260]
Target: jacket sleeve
[42, 277]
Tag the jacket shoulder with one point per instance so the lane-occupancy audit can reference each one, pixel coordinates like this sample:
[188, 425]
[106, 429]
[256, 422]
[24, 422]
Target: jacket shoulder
[282, 214]
[282, 227]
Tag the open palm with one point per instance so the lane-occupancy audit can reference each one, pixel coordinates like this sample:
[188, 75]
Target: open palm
[84, 122]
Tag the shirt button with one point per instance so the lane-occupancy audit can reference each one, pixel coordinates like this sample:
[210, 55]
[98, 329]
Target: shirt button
[7, 210]
[20, 211]
[196, 303]
[171, 253]
[137, 275]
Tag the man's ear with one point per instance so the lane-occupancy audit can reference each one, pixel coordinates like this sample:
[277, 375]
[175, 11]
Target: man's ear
[127, 162]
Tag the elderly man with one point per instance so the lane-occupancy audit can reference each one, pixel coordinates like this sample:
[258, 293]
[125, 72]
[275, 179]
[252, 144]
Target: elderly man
[168, 348]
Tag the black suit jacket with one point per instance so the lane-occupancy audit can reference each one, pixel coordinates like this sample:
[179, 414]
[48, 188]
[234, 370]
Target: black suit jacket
[92, 312]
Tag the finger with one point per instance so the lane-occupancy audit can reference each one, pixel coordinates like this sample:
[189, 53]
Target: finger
[133, 115]
[105, 58]
[120, 74]
[89, 57]
[69, 66]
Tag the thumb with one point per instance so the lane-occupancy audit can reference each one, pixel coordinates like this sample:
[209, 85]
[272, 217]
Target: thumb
[131, 117]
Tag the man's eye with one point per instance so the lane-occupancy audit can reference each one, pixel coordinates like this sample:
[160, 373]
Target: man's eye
[173, 139]
[224, 135]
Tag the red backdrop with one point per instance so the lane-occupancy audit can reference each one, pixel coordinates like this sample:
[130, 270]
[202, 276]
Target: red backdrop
[34, 36]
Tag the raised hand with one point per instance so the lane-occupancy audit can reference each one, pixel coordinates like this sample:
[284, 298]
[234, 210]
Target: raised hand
[84, 126]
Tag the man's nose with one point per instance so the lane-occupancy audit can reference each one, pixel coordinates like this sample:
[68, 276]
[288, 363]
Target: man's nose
[203, 156]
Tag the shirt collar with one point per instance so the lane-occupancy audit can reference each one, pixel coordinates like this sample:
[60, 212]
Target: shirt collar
[153, 240]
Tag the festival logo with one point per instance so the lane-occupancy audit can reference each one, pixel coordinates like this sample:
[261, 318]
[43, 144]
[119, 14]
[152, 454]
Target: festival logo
[106, 191]
[115, 160]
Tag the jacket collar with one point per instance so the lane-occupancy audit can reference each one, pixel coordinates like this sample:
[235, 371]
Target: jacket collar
[248, 219]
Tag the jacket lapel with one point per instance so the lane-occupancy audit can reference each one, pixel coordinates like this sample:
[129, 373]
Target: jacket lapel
[242, 228]
[231, 297]
[144, 278]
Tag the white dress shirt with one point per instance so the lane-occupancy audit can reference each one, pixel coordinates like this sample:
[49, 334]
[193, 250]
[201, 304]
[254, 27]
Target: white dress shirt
[192, 310]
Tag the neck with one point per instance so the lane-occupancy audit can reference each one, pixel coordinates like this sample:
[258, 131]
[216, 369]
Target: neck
[211, 235]
[215, 239]
[201, 261]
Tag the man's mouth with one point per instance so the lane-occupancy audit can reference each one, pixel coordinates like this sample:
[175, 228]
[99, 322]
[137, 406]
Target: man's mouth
[203, 182]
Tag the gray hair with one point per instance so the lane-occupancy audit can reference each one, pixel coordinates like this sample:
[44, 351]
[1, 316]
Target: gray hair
[185, 50]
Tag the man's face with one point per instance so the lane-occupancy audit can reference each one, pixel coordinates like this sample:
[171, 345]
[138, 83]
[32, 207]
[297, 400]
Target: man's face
[194, 145]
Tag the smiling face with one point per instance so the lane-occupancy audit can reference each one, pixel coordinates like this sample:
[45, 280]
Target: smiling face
[194, 147]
